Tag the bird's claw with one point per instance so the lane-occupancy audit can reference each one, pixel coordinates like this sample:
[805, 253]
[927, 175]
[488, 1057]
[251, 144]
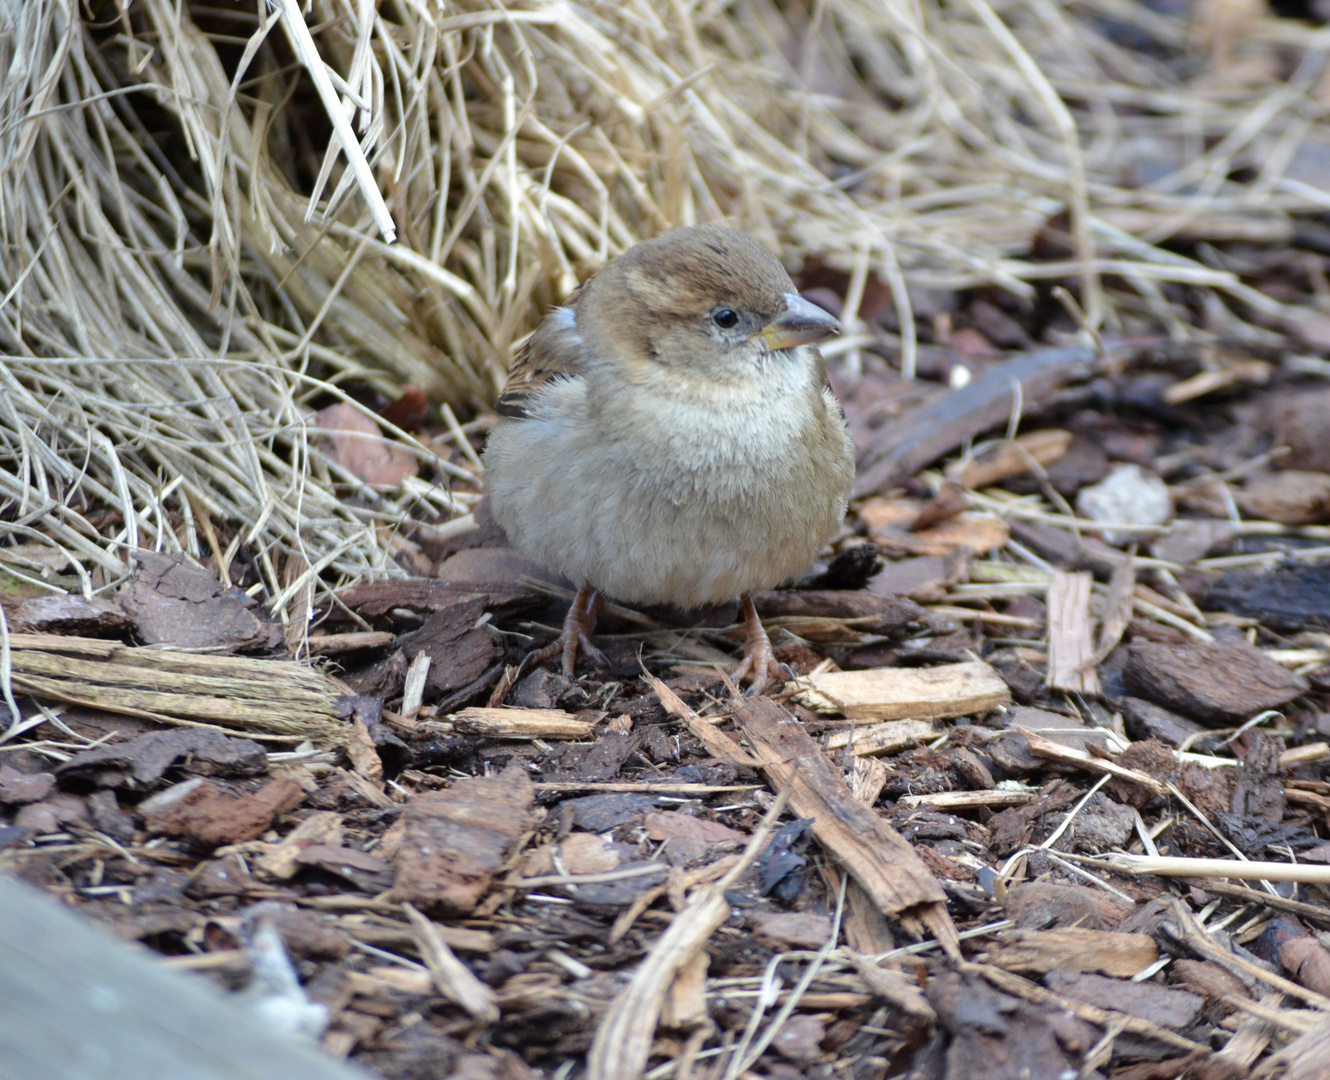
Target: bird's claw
[759, 664]
[576, 634]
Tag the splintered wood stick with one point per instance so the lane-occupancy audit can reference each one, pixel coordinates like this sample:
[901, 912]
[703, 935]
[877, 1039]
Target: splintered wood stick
[1046, 748]
[521, 724]
[969, 800]
[1176, 866]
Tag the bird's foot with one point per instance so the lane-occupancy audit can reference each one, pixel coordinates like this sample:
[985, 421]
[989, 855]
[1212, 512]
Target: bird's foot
[577, 627]
[759, 665]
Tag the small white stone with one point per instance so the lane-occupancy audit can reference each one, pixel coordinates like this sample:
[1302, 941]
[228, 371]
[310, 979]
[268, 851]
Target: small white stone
[1129, 495]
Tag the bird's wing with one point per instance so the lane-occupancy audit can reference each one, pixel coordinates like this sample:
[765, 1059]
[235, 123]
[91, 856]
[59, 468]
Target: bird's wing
[554, 351]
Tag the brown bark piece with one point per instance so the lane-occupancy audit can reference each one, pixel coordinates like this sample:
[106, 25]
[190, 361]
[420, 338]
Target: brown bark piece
[1014, 458]
[875, 855]
[18, 788]
[997, 1037]
[1146, 720]
[893, 524]
[688, 838]
[1175, 1009]
[1302, 423]
[784, 930]
[1056, 727]
[938, 693]
[1106, 951]
[1308, 961]
[70, 614]
[890, 616]
[1295, 497]
[924, 579]
[457, 839]
[1214, 682]
[173, 602]
[199, 810]
[1037, 905]
[141, 762]
[897, 451]
[1295, 596]
[375, 599]
[366, 872]
[1257, 788]
[460, 651]
[1208, 979]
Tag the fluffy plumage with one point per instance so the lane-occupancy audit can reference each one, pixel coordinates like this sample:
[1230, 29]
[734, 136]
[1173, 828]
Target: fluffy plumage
[668, 435]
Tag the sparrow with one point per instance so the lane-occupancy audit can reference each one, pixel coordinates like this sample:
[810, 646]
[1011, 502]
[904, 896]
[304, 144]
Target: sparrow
[668, 436]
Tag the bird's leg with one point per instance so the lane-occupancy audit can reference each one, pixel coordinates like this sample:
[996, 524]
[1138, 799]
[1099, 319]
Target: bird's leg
[577, 627]
[759, 664]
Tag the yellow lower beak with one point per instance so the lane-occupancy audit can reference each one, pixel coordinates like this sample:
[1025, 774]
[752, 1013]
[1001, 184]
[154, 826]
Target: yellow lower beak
[801, 323]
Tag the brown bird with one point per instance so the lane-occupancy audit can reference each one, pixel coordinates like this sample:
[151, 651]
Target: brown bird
[668, 436]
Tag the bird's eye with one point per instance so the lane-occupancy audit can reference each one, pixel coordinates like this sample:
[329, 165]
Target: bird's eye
[724, 318]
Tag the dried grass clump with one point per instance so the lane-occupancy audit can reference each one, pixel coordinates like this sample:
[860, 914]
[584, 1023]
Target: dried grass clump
[187, 266]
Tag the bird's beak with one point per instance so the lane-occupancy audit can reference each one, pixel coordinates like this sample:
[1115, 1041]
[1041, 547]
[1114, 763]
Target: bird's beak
[799, 324]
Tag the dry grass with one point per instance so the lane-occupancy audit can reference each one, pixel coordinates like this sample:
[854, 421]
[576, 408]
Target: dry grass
[187, 266]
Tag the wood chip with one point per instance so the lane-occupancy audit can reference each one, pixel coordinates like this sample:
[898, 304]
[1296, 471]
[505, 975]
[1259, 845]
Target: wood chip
[363, 754]
[890, 737]
[413, 691]
[508, 723]
[457, 839]
[938, 693]
[1106, 951]
[1071, 633]
[320, 828]
[1302, 1059]
[1013, 458]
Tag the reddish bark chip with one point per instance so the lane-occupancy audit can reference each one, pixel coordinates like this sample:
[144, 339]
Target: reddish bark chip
[456, 839]
[200, 811]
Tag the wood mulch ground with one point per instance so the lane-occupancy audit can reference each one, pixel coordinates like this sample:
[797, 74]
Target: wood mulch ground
[1052, 694]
